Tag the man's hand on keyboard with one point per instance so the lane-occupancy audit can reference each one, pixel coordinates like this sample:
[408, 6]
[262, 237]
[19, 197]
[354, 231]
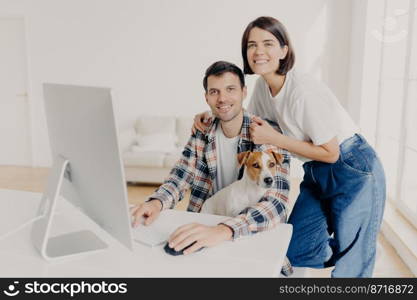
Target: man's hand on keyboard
[147, 211]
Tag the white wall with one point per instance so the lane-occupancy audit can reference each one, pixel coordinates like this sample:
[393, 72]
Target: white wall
[365, 64]
[154, 53]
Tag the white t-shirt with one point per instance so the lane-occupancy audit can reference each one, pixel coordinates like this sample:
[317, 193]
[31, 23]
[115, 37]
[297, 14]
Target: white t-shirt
[305, 109]
[227, 166]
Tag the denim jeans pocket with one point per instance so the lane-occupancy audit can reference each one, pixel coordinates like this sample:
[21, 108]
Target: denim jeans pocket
[357, 161]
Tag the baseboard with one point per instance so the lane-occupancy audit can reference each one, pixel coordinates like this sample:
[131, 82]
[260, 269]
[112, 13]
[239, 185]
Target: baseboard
[402, 235]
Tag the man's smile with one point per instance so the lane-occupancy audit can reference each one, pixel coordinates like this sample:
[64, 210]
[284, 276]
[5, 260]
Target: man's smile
[224, 108]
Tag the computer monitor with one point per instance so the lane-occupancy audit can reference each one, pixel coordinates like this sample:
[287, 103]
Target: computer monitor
[87, 169]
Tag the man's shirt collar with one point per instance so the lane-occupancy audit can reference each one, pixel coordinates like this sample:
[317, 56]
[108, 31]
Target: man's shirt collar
[244, 132]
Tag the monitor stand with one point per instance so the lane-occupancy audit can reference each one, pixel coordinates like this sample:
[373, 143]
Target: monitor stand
[65, 245]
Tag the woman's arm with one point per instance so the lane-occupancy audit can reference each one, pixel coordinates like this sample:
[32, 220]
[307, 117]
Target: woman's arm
[263, 133]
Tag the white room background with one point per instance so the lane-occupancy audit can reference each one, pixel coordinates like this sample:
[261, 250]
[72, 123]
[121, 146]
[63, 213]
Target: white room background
[154, 53]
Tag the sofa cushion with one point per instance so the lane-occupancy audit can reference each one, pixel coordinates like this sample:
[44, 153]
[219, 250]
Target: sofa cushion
[126, 139]
[144, 159]
[171, 158]
[183, 130]
[158, 142]
[146, 125]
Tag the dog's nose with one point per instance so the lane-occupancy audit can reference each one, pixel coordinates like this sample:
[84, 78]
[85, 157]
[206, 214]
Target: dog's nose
[268, 180]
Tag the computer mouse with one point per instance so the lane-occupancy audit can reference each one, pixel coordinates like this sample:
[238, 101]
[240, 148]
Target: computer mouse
[173, 252]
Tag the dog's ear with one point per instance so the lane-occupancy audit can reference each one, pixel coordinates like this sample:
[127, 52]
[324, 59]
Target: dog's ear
[242, 157]
[279, 158]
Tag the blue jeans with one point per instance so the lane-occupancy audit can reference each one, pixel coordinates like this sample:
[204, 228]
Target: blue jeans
[338, 213]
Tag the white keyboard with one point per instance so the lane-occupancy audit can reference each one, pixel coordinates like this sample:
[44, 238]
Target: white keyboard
[149, 235]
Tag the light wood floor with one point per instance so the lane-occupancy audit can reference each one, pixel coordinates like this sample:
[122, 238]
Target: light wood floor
[388, 263]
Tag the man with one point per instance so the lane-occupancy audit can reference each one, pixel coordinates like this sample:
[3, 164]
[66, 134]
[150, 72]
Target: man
[209, 163]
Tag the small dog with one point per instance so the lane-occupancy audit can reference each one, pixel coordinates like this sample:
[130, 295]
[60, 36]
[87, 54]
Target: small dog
[259, 172]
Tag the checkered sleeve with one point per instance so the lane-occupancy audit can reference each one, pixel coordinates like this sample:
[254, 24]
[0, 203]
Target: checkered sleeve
[286, 269]
[271, 208]
[180, 178]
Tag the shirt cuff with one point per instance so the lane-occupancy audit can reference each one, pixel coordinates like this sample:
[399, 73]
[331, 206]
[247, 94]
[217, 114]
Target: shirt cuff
[239, 226]
[165, 201]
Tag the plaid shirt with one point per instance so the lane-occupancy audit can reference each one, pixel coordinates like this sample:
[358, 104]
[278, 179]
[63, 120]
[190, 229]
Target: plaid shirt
[197, 169]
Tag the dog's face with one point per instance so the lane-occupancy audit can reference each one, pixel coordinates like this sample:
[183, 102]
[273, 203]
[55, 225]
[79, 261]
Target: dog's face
[261, 167]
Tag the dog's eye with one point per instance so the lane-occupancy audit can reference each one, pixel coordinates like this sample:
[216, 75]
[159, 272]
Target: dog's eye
[255, 165]
[271, 164]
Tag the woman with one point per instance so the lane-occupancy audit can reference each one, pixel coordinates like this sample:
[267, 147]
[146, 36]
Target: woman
[338, 212]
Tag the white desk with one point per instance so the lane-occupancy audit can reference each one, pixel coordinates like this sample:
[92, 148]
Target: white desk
[260, 255]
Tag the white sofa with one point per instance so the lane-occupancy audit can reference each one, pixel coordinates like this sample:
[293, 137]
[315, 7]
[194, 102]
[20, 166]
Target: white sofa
[152, 146]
